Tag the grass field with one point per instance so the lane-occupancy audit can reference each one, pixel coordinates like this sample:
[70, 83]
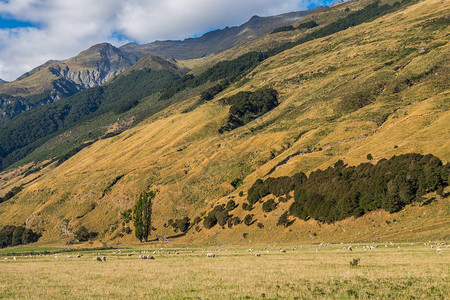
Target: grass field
[398, 271]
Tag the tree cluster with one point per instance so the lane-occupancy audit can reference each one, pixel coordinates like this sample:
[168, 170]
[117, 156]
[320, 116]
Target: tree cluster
[17, 235]
[343, 191]
[220, 215]
[276, 186]
[143, 215]
[247, 106]
[14, 191]
[83, 234]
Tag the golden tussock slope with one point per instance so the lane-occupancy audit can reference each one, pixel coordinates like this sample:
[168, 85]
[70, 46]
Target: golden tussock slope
[398, 66]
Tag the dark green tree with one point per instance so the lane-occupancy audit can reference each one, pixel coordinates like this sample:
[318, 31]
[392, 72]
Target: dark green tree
[143, 215]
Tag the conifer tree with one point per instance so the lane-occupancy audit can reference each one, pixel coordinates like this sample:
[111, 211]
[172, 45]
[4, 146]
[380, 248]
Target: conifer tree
[143, 215]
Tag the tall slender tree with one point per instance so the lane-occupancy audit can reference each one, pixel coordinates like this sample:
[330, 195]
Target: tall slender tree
[143, 215]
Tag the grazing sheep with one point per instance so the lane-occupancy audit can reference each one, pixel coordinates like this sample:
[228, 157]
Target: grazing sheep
[14, 258]
[250, 250]
[103, 258]
[97, 258]
[282, 251]
[350, 248]
[79, 255]
[211, 255]
[129, 254]
[438, 250]
[257, 254]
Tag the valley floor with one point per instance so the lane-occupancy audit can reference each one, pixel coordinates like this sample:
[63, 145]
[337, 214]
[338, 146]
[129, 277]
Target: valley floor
[390, 271]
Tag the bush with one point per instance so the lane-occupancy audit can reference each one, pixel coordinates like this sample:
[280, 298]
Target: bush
[260, 225]
[248, 220]
[197, 220]
[230, 205]
[83, 234]
[283, 28]
[181, 224]
[307, 25]
[269, 205]
[246, 206]
[219, 215]
[284, 220]
[247, 106]
[210, 221]
[17, 235]
[236, 183]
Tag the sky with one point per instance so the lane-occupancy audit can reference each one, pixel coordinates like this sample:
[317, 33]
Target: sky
[35, 31]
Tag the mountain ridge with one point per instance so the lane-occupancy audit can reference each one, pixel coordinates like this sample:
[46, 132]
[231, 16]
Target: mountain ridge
[218, 40]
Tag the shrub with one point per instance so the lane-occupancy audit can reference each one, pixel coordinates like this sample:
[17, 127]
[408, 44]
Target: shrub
[248, 220]
[307, 25]
[230, 205]
[260, 225]
[83, 234]
[284, 220]
[197, 220]
[182, 224]
[247, 106]
[269, 205]
[210, 221]
[236, 183]
[283, 28]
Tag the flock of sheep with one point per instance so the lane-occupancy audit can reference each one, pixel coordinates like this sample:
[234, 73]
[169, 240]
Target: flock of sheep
[212, 253]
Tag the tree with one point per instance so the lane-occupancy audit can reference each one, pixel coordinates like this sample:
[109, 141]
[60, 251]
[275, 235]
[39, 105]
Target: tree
[83, 234]
[143, 215]
[17, 236]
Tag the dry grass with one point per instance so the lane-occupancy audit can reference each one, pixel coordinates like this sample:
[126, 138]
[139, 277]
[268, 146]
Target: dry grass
[183, 155]
[411, 272]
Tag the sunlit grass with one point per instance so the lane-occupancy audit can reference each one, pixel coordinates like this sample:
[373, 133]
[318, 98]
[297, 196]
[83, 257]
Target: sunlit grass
[407, 272]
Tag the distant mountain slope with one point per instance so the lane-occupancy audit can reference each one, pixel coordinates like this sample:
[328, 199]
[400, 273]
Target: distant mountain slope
[59, 79]
[2, 81]
[23, 134]
[378, 88]
[216, 41]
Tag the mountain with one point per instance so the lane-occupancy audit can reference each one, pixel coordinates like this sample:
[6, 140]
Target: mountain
[95, 66]
[218, 40]
[365, 88]
[59, 79]
[2, 81]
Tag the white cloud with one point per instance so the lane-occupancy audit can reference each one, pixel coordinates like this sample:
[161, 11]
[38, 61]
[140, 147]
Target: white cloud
[66, 27]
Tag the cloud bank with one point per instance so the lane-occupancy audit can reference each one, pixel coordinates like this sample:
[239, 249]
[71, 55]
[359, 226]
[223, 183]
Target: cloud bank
[63, 28]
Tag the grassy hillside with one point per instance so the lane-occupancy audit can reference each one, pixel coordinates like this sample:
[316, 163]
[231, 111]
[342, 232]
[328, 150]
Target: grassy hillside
[380, 88]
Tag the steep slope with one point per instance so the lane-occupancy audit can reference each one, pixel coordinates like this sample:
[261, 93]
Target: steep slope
[28, 131]
[216, 41]
[2, 81]
[380, 88]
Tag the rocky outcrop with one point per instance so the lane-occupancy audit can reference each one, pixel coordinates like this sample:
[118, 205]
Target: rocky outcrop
[60, 79]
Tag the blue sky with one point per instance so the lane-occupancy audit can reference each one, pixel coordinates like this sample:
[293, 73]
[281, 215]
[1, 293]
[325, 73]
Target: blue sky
[35, 31]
